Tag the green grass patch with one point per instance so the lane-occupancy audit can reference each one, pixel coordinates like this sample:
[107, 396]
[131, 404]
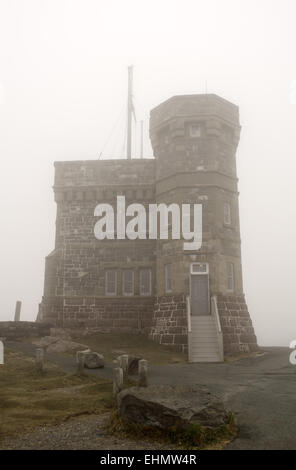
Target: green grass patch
[112, 345]
[29, 399]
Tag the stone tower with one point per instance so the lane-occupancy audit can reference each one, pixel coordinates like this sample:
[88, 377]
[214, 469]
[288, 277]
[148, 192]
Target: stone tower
[154, 285]
[194, 138]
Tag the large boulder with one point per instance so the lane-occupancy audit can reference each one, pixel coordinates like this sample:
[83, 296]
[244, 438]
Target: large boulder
[164, 406]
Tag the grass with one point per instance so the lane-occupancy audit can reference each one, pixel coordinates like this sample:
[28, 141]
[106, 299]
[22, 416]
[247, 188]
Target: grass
[29, 399]
[194, 436]
[112, 345]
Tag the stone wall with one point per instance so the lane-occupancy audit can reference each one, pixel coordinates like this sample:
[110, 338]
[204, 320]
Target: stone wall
[132, 313]
[12, 330]
[169, 323]
[236, 324]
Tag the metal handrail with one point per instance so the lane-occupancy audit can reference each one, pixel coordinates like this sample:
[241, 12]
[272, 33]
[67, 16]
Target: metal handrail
[188, 313]
[215, 313]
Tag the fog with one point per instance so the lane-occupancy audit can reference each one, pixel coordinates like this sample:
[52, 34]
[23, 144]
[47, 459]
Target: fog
[63, 80]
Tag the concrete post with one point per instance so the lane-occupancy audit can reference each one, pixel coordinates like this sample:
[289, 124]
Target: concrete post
[117, 380]
[143, 373]
[17, 313]
[39, 359]
[80, 363]
[124, 365]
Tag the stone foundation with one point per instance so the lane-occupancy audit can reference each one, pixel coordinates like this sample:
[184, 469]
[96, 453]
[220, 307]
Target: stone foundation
[236, 324]
[12, 330]
[169, 322]
[134, 313]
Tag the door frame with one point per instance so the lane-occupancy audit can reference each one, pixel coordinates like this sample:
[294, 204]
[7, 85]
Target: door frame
[192, 272]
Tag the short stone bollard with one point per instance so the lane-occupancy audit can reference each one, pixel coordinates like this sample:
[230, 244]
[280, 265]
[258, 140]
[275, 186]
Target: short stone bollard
[143, 373]
[39, 359]
[80, 363]
[17, 314]
[117, 380]
[124, 365]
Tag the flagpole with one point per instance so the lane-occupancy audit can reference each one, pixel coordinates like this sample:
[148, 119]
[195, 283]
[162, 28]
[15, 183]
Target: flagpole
[129, 112]
[142, 138]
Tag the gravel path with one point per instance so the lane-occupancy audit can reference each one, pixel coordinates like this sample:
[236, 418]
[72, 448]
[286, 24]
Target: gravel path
[86, 433]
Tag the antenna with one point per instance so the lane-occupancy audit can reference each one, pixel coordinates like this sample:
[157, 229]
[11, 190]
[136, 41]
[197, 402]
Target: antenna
[129, 112]
[142, 133]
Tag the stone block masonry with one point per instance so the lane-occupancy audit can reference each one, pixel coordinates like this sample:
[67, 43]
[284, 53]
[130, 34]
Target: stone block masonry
[12, 330]
[169, 322]
[194, 140]
[236, 324]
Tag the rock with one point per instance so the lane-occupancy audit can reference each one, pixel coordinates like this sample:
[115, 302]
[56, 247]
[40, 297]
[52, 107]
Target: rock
[59, 345]
[164, 406]
[133, 364]
[92, 360]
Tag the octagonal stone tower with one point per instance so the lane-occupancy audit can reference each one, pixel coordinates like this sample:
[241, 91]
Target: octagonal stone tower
[194, 138]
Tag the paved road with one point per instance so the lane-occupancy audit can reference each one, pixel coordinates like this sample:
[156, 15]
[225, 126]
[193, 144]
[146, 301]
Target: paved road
[260, 391]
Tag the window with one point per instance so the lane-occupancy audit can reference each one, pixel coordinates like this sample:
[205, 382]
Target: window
[227, 134]
[227, 214]
[128, 282]
[230, 277]
[145, 282]
[199, 268]
[111, 282]
[168, 277]
[195, 130]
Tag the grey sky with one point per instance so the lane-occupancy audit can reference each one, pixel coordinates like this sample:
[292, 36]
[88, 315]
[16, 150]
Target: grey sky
[63, 86]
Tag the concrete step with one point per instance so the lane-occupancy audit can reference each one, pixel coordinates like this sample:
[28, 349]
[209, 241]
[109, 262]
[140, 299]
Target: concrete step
[204, 331]
[201, 350]
[204, 345]
[205, 359]
[203, 334]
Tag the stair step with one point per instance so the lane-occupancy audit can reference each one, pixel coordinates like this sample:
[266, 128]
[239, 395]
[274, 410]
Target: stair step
[204, 335]
[207, 359]
[204, 329]
[205, 354]
[204, 351]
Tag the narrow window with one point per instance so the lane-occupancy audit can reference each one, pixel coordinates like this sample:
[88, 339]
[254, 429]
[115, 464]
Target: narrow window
[111, 282]
[145, 282]
[230, 277]
[227, 213]
[128, 282]
[168, 278]
[195, 130]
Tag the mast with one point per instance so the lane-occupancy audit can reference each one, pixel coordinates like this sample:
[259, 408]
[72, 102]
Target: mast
[129, 112]
[142, 134]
